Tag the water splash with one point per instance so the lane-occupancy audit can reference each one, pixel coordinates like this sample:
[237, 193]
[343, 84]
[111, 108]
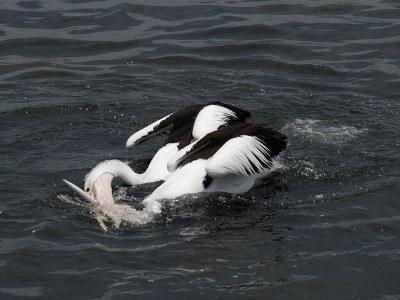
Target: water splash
[319, 131]
[117, 214]
[307, 169]
[124, 213]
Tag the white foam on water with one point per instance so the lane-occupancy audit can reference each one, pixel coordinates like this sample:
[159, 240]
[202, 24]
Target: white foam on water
[124, 213]
[320, 131]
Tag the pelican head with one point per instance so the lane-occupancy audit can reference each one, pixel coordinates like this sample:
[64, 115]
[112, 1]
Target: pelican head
[97, 192]
[98, 189]
[98, 180]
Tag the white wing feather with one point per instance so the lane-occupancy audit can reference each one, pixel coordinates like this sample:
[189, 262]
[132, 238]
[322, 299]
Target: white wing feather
[244, 155]
[210, 118]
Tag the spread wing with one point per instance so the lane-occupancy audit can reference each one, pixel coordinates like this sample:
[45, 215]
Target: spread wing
[192, 122]
[240, 149]
[177, 123]
[249, 153]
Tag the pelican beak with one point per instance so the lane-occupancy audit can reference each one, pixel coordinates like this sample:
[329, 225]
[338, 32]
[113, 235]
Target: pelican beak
[101, 191]
[80, 192]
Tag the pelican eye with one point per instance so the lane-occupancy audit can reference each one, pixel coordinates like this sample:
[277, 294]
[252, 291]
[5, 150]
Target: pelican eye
[87, 189]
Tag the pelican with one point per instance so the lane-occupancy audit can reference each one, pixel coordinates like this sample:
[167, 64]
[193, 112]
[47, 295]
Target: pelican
[184, 126]
[229, 159]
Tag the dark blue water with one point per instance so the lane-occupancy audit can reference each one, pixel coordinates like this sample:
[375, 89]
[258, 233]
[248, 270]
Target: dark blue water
[78, 77]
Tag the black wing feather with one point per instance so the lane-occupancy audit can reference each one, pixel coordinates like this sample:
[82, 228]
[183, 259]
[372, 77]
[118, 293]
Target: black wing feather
[205, 148]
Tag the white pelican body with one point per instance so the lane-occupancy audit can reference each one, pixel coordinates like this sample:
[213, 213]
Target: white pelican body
[228, 160]
[190, 180]
[184, 127]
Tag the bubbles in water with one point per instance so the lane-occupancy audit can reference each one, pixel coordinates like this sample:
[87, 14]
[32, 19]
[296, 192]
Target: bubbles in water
[307, 169]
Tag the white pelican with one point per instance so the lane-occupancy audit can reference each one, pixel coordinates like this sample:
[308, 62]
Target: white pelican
[183, 127]
[230, 159]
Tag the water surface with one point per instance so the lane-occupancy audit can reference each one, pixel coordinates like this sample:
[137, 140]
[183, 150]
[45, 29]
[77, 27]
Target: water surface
[78, 77]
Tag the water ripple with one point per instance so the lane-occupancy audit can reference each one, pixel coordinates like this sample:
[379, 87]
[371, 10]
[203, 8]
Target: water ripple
[78, 77]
